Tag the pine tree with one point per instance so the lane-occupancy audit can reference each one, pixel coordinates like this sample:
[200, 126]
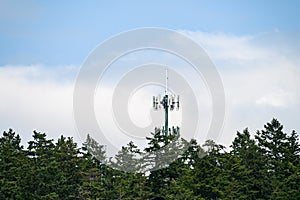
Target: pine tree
[282, 152]
[162, 150]
[12, 162]
[45, 172]
[95, 172]
[249, 169]
[128, 159]
[68, 162]
[95, 149]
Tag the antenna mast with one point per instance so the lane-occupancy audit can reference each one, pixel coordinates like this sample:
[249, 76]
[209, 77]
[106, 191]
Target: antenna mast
[168, 103]
[166, 91]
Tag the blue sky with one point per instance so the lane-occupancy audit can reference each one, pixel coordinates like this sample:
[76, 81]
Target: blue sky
[255, 45]
[64, 32]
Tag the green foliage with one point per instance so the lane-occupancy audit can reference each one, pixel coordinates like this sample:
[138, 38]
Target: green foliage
[12, 158]
[95, 149]
[128, 159]
[266, 166]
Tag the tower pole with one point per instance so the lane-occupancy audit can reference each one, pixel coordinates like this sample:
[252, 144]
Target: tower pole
[166, 105]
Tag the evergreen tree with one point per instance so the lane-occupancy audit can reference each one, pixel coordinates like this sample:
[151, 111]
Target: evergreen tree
[128, 159]
[249, 170]
[45, 172]
[267, 167]
[12, 160]
[95, 172]
[162, 150]
[69, 163]
[130, 181]
[95, 149]
[281, 151]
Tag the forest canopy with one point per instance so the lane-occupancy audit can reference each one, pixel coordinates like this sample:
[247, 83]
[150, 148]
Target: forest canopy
[260, 165]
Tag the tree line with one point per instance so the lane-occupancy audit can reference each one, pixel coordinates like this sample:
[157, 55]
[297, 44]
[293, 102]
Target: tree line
[263, 165]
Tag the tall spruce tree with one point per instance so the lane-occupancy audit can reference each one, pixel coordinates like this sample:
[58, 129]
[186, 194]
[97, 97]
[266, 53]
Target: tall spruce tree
[250, 171]
[282, 153]
[12, 162]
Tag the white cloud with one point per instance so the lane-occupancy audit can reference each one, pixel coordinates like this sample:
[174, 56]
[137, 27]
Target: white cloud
[261, 81]
[279, 98]
[36, 98]
[222, 46]
[260, 75]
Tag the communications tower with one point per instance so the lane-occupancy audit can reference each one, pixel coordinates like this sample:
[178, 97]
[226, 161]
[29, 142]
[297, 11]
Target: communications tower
[168, 103]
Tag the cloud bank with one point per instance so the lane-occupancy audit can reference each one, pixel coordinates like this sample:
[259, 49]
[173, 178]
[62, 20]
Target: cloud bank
[260, 74]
